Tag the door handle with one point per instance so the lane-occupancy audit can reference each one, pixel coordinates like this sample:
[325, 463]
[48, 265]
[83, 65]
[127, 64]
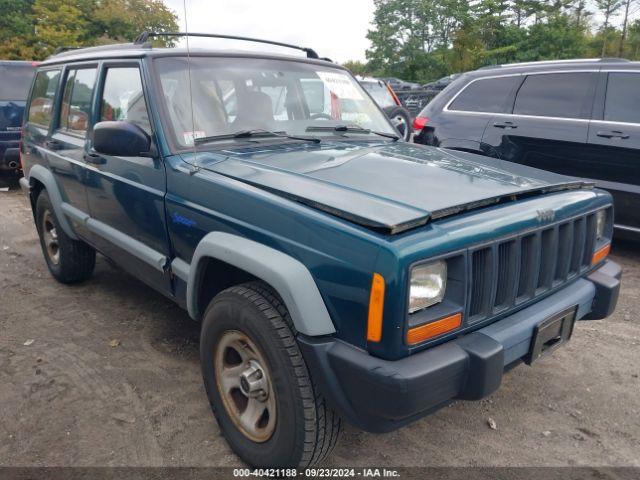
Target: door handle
[613, 134]
[505, 125]
[94, 158]
[53, 144]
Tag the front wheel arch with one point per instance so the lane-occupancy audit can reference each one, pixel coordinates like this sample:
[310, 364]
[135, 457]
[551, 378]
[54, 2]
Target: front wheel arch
[216, 276]
[286, 275]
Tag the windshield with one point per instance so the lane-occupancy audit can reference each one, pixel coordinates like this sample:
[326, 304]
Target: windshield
[231, 95]
[380, 93]
[16, 80]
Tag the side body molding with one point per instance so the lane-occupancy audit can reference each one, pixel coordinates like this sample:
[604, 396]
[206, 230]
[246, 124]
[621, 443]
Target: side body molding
[44, 176]
[287, 275]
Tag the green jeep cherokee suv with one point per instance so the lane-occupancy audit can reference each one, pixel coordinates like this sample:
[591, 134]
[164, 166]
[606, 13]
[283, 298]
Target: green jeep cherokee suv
[338, 271]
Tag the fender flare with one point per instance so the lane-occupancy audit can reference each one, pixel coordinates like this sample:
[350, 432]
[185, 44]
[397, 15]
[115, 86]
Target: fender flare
[44, 176]
[288, 276]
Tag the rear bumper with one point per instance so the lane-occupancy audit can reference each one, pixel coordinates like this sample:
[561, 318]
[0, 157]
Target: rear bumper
[381, 395]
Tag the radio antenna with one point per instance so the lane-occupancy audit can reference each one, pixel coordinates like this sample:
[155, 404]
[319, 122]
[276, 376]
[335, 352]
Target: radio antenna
[193, 117]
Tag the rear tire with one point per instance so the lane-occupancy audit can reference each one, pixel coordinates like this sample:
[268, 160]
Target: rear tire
[248, 328]
[69, 261]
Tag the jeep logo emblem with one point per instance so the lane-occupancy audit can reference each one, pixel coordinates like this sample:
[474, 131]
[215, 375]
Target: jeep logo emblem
[545, 215]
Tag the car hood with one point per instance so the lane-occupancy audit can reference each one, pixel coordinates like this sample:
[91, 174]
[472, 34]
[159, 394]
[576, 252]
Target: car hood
[388, 187]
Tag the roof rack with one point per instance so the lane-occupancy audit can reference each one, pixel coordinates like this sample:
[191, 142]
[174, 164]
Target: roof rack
[551, 62]
[70, 51]
[143, 38]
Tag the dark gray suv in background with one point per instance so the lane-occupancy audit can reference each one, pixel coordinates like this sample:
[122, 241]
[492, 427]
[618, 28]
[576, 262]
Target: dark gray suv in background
[575, 117]
[15, 80]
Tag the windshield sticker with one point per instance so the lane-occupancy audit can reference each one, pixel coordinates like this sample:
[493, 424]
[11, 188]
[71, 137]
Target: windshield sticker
[341, 85]
[189, 137]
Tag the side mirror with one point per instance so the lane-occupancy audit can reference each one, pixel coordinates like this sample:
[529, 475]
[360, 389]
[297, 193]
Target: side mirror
[122, 139]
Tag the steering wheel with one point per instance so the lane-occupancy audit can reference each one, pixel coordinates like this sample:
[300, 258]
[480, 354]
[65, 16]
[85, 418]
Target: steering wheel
[320, 116]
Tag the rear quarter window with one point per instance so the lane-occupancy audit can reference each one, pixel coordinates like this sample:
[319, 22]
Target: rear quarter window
[42, 97]
[489, 95]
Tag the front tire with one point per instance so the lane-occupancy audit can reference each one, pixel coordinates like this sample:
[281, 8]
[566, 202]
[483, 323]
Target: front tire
[258, 385]
[69, 260]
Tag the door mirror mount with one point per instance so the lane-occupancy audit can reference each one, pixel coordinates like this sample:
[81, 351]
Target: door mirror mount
[122, 139]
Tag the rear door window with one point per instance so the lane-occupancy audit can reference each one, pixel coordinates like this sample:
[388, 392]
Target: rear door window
[490, 95]
[562, 95]
[44, 92]
[622, 103]
[76, 101]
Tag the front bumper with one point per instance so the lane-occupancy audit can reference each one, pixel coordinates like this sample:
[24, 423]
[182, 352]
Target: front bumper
[381, 395]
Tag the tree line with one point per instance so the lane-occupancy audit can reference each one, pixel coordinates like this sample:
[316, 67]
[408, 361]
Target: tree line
[422, 40]
[33, 29]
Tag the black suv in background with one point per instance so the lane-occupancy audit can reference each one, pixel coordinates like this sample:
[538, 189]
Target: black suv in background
[574, 117]
[15, 80]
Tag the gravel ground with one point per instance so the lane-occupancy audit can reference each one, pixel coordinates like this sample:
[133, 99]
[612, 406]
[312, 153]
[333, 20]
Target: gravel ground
[106, 374]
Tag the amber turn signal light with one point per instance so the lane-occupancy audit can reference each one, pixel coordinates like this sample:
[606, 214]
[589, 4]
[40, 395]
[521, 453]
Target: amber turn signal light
[601, 254]
[376, 307]
[433, 329]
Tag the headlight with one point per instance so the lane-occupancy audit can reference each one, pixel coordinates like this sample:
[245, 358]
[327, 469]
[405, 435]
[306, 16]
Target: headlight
[601, 224]
[427, 286]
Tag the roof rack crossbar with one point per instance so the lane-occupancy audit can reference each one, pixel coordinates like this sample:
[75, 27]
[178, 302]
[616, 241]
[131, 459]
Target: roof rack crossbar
[144, 37]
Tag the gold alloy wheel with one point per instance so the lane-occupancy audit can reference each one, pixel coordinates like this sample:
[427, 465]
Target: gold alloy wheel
[50, 237]
[244, 384]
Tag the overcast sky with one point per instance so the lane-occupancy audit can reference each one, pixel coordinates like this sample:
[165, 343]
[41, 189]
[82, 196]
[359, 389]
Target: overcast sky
[334, 28]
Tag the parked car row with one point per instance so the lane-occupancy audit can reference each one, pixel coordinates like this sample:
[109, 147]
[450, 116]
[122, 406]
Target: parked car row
[415, 100]
[577, 118]
[396, 84]
[441, 83]
[437, 85]
[412, 97]
[403, 101]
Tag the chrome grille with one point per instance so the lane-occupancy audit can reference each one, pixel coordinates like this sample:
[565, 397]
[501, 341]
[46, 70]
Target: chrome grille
[512, 271]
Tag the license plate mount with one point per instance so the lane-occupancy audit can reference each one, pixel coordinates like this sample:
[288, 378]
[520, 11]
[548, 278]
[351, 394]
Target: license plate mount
[551, 333]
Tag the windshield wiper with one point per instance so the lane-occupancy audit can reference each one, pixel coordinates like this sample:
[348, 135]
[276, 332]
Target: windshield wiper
[254, 133]
[350, 129]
